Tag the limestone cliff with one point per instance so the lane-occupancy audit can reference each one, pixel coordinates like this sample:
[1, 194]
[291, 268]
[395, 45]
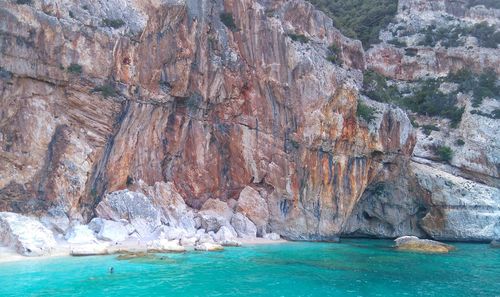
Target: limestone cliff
[457, 198]
[212, 96]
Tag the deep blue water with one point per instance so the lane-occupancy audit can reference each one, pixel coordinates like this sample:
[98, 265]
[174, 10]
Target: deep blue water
[350, 268]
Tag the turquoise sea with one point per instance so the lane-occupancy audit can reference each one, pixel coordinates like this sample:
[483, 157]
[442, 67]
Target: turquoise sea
[350, 268]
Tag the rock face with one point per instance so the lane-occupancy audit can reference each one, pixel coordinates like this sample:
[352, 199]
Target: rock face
[254, 207]
[413, 243]
[459, 208]
[28, 236]
[150, 121]
[427, 197]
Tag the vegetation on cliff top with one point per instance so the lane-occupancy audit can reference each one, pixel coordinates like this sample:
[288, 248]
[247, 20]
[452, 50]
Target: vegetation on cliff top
[454, 36]
[359, 19]
[426, 98]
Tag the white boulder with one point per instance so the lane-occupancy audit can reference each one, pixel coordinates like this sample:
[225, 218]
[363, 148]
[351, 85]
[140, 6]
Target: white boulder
[243, 226]
[207, 246]
[80, 234]
[165, 246]
[109, 230]
[28, 236]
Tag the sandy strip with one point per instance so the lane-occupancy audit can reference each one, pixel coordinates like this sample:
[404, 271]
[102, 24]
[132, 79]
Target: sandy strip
[63, 250]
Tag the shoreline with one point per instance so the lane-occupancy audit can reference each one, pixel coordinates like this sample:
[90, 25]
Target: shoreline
[9, 255]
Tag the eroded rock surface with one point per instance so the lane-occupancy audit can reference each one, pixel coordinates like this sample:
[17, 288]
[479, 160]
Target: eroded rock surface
[174, 95]
[27, 235]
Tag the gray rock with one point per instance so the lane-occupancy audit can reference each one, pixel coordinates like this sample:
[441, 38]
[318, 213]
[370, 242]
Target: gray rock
[56, 220]
[109, 230]
[253, 206]
[243, 226]
[272, 236]
[214, 214]
[460, 209]
[136, 208]
[495, 244]
[28, 236]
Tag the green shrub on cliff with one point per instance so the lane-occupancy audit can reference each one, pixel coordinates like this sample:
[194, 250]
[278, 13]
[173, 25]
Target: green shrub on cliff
[365, 112]
[486, 35]
[26, 2]
[444, 153]
[228, 20]
[481, 86]
[106, 90]
[113, 23]
[74, 68]
[298, 37]
[359, 19]
[334, 54]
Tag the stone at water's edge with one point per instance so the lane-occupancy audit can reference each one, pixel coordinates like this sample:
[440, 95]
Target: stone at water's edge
[495, 244]
[28, 236]
[413, 243]
[89, 250]
[207, 247]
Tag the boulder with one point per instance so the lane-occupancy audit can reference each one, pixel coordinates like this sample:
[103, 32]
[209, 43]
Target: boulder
[214, 214]
[188, 241]
[206, 246]
[80, 234]
[495, 244]
[56, 220]
[253, 206]
[413, 243]
[165, 246]
[272, 236]
[204, 237]
[109, 230]
[243, 226]
[89, 250]
[144, 216]
[226, 236]
[174, 210]
[28, 236]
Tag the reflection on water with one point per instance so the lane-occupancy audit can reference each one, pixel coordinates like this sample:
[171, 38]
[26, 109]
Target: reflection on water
[350, 268]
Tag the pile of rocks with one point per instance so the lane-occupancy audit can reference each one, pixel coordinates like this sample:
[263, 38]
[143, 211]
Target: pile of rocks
[151, 219]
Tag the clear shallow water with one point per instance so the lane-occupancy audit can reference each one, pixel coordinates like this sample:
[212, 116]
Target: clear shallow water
[351, 268]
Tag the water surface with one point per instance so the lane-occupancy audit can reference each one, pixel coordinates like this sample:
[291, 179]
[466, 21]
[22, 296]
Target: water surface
[351, 268]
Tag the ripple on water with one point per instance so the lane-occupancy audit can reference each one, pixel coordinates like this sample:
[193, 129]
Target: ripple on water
[351, 268]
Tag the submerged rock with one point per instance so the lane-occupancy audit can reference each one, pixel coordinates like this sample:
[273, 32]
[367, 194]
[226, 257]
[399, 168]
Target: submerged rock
[495, 244]
[28, 236]
[207, 246]
[413, 243]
